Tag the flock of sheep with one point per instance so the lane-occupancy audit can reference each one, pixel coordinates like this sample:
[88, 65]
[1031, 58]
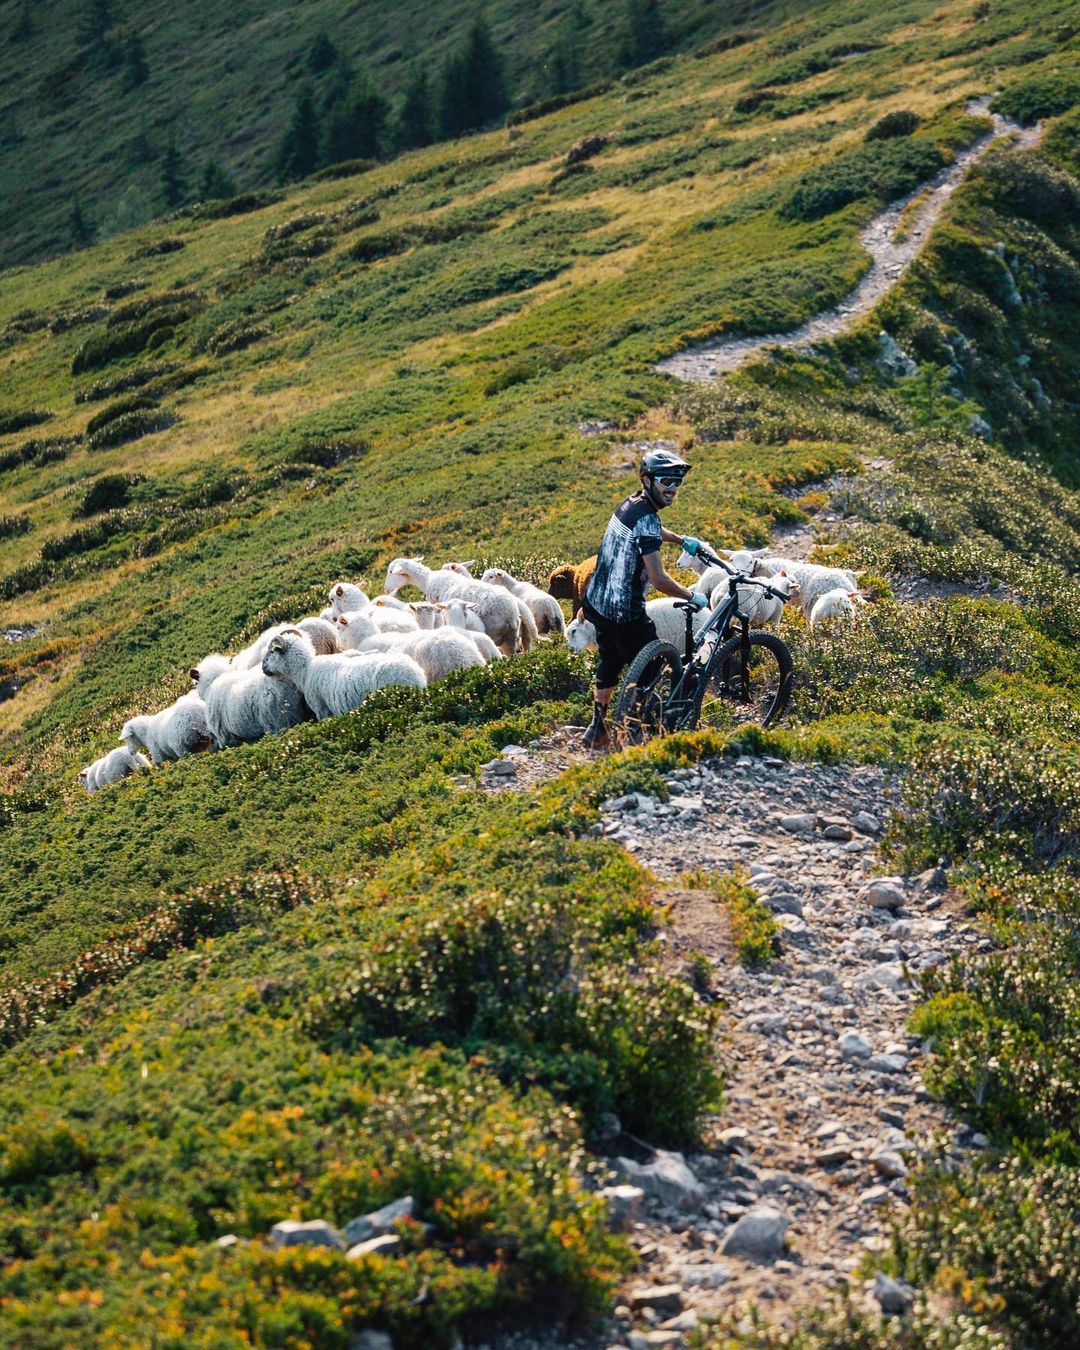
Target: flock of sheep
[326, 665]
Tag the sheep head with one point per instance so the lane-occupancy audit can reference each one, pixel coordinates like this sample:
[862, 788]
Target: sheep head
[402, 572]
[461, 568]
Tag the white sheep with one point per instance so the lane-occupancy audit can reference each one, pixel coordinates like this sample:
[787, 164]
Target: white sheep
[322, 632]
[347, 598]
[670, 626]
[436, 653]
[835, 604]
[245, 705]
[206, 672]
[334, 685]
[545, 609]
[814, 579]
[178, 730]
[761, 610]
[528, 632]
[498, 610]
[461, 615]
[390, 615]
[110, 768]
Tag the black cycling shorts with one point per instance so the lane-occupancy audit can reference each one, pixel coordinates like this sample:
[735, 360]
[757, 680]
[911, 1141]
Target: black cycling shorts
[619, 643]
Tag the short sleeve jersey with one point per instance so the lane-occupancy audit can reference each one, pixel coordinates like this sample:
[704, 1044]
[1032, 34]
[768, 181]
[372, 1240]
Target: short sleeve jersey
[617, 589]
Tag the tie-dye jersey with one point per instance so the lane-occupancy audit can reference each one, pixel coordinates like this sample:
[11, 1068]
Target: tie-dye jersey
[617, 589]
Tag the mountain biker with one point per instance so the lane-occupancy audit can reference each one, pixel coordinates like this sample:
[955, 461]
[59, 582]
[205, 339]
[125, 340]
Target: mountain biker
[627, 564]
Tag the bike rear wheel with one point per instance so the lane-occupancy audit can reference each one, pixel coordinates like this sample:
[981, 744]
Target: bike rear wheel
[646, 693]
[743, 684]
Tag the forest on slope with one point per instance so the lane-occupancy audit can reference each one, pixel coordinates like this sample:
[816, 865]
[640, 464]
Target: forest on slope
[304, 977]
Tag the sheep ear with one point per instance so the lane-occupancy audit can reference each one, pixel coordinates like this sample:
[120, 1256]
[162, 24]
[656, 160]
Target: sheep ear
[470, 563]
[758, 552]
[782, 572]
[439, 605]
[194, 672]
[470, 604]
[339, 590]
[580, 616]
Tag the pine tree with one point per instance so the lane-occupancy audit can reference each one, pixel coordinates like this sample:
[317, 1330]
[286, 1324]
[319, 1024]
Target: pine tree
[215, 183]
[95, 20]
[415, 121]
[24, 28]
[473, 88]
[298, 152]
[355, 127]
[321, 54]
[645, 35]
[564, 69]
[136, 68]
[453, 108]
[82, 228]
[173, 185]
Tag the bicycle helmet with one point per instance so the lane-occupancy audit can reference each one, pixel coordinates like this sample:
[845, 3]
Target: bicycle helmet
[664, 464]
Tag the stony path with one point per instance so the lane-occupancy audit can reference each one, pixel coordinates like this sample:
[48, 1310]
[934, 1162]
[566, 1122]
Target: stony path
[825, 1109]
[890, 259]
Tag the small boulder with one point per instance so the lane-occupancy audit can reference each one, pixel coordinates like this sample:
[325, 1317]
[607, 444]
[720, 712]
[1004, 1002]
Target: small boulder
[667, 1179]
[386, 1244]
[709, 1275]
[854, 1046]
[866, 823]
[759, 1234]
[624, 1203]
[892, 1296]
[313, 1233]
[885, 893]
[798, 824]
[379, 1220]
[663, 1297]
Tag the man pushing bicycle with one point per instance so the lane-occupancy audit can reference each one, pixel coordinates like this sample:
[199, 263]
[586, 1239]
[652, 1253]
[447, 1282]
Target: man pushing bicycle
[627, 564]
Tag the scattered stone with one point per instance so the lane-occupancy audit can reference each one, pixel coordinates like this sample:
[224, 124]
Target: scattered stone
[889, 975]
[663, 1297]
[379, 1220]
[885, 893]
[313, 1233]
[624, 1204]
[684, 1321]
[733, 1138]
[874, 1195]
[933, 879]
[227, 1240]
[889, 1164]
[707, 1276]
[887, 1063]
[386, 1244]
[866, 823]
[667, 1178]
[798, 824]
[758, 1234]
[499, 768]
[854, 1046]
[892, 1296]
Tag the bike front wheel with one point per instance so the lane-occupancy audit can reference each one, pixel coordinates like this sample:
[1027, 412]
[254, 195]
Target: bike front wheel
[745, 683]
[646, 695]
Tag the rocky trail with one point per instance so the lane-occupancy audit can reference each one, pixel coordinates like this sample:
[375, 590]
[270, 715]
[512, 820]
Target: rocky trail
[890, 258]
[825, 1107]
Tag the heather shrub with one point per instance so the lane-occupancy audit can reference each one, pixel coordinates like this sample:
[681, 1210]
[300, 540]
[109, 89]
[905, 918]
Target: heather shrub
[19, 419]
[1045, 95]
[12, 526]
[132, 426]
[107, 493]
[900, 122]
[119, 409]
[130, 379]
[842, 1326]
[129, 338]
[881, 171]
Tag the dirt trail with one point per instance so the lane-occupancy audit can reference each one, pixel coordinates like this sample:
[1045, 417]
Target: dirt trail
[825, 1107]
[890, 259]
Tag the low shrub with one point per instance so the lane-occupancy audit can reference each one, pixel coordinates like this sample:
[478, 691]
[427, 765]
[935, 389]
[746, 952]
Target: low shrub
[128, 339]
[132, 426]
[147, 304]
[131, 379]
[900, 122]
[75, 318]
[325, 452]
[1003, 1237]
[115, 410]
[531, 111]
[49, 450]
[295, 225]
[19, 419]
[12, 526]
[843, 1326]
[232, 206]
[753, 927]
[107, 493]
[344, 168]
[235, 336]
[157, 249]
[882, 171]
[1026, 183]
[1044, 95]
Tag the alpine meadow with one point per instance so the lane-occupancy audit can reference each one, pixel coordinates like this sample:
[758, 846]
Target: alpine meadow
[420, 1026]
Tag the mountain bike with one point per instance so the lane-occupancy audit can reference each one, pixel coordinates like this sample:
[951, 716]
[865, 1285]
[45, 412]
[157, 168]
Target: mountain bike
[728, 674]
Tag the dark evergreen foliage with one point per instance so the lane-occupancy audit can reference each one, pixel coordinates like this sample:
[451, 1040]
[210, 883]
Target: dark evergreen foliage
[298, 152]
[24, 27]
[473, 88]
[415, 122]
[136, 67]
[173, 184]
[215, 183]
[321, 54]
[82, 228]
[355, 126]
[95, 20]
[645, 35]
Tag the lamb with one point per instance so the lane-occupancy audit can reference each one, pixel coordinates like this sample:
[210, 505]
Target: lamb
[835, 604]
[497, 609]
[545, 609]
[322, 632]
[528, 634]
[461, 615]
[206, 672]
[110, 768]
[245, 705]
[762, 610]
[181, 729]
[334, 685]
[345, 598]
[570, 581]
[814, 580]
[390, 615]
[355, 628]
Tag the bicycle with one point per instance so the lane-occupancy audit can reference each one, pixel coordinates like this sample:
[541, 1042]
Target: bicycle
[728, 675]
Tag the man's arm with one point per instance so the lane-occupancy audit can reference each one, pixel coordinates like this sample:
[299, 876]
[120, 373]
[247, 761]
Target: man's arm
[669, 536]
[654, 570]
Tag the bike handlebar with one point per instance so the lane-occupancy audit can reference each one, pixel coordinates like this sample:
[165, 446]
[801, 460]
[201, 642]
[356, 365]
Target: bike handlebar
[709, 557]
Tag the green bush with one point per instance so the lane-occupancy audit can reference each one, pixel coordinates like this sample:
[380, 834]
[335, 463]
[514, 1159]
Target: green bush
[1023, 181]
[132, 426]
[125, 405]
[127, 339]
[900, 122]
[1044, 95]
[136, 310]
[18, 419]
[131, 379]
[107, 493]
[12, 526]
[753, 927]
[879, 172]
[49, 450]
[842, 1326]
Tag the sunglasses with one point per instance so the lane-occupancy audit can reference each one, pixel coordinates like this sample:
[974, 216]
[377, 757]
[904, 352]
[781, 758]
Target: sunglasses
[670, 482]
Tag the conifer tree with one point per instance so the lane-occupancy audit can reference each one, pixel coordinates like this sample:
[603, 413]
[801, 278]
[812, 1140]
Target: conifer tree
[453, 106]
[136, 68]
[298, 152]
[82, 228]
[415, 122]
[24, 27]
[321, 54]
[355, 126]
[564, 67]
[173, 184]
[215, 183]
[473, 86]
[645, 35]
[95, 20]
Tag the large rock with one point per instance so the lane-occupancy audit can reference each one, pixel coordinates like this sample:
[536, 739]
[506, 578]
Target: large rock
[313, 1233]
[379, 1220]
[667, 1178]
[892, 1296]
[802, 823]
[758, 1234]
[662, 1297]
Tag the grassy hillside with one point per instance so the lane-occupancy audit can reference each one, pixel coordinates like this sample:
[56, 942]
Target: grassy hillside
[220, 86]
[303, 978]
